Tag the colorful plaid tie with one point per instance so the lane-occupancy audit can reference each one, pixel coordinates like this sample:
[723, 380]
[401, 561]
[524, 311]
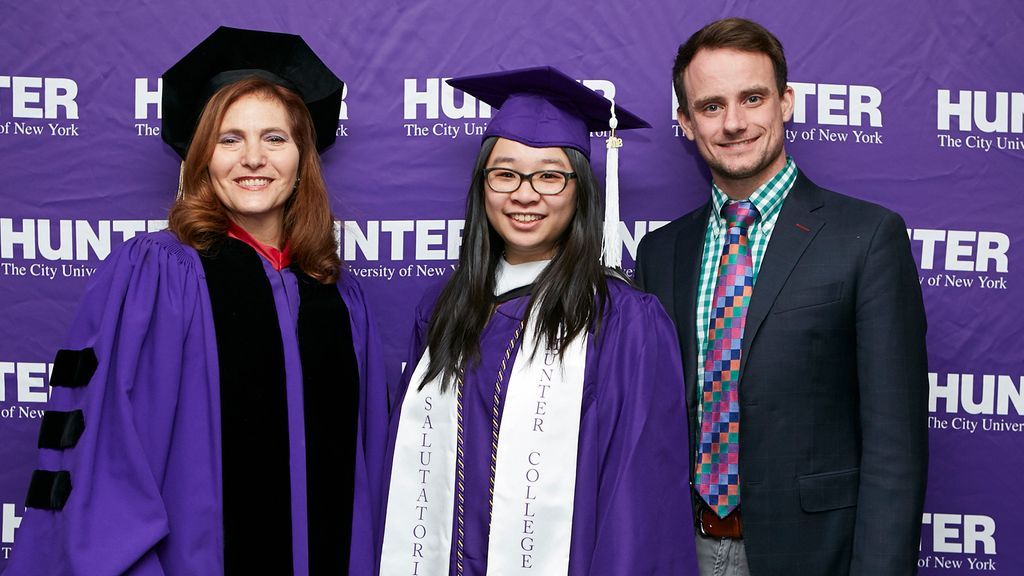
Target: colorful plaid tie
[717, 472]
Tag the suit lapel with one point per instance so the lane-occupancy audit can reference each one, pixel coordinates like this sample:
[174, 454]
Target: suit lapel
[689, 250]
[794, 230]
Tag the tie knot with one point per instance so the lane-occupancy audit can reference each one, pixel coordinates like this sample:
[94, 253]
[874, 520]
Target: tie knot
[740, 214]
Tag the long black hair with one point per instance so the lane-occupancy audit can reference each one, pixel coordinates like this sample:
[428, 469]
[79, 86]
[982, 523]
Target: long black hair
[569, 295]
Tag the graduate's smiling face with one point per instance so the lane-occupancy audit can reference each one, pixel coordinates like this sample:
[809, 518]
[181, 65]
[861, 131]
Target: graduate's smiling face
[254, 165]
[531, 224]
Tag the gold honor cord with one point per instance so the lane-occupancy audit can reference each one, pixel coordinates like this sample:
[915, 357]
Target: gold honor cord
[460, 467]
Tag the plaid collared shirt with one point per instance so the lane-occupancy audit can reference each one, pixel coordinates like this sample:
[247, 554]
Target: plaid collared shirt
[768, 200]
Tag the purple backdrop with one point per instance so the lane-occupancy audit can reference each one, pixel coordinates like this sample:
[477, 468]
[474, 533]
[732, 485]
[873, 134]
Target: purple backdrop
[917, 105]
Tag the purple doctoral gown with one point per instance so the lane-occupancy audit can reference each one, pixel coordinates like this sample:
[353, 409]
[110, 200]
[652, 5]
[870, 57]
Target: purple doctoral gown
[632, 512]
[146, 473]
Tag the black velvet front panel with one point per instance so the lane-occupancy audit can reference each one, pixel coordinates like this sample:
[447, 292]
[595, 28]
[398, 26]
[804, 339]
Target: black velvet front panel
[254, 417]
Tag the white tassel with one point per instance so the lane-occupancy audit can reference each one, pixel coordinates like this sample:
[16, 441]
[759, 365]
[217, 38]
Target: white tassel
[612, 250]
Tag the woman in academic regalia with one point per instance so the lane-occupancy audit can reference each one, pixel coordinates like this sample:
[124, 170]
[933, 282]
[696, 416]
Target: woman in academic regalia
[540, 427]
[219, 407]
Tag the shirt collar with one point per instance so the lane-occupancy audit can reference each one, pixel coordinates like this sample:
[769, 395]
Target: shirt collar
[767, 198]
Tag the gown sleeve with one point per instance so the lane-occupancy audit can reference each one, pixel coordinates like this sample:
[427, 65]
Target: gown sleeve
[417, 343]
[372, 429]
[95, 504]
[396, 394]
[644, 522]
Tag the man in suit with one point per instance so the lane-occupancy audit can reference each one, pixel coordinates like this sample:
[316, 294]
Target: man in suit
[802, 330]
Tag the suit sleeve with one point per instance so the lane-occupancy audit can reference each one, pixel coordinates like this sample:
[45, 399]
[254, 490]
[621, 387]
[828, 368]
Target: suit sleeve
[122, 364]
[893, 382]
[643, 518]
[639, 275]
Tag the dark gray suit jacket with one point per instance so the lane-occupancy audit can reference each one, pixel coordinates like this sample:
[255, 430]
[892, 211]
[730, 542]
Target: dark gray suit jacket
[833, 385]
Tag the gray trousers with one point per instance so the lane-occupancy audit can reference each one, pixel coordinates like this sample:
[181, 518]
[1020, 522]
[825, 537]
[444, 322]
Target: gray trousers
[721, 557]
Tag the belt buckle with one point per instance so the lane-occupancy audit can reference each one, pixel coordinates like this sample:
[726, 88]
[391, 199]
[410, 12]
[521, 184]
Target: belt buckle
[703, 508]
[701, 511]
[700, 524]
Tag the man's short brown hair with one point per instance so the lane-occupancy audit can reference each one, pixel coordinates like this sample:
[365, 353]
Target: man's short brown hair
[736, 33]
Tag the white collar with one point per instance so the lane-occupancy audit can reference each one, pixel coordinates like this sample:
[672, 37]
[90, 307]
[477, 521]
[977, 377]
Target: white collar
[511, 276]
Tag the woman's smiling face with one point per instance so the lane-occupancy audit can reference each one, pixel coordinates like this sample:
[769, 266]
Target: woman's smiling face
[254, 165]
[531, 224]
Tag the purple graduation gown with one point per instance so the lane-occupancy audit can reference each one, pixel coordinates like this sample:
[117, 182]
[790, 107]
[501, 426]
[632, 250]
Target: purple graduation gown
[146, 472]
[632, 511]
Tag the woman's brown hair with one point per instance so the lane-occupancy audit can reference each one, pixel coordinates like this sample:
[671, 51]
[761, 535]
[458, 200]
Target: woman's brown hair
[200, 220]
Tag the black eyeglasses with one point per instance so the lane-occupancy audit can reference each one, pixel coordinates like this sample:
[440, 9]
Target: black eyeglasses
[546, 182]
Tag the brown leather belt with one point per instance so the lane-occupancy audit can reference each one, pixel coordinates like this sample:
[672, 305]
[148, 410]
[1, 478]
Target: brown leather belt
[709, 524]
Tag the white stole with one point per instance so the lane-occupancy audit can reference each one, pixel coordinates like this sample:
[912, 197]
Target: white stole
[535, 480]
[418, 526]
[535, 483]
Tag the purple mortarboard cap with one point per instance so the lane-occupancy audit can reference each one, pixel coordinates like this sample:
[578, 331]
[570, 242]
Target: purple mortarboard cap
[542, 107]
[232, 54]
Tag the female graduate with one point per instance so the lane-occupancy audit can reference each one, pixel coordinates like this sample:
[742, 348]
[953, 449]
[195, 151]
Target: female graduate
[539, 425]
[219, 407]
